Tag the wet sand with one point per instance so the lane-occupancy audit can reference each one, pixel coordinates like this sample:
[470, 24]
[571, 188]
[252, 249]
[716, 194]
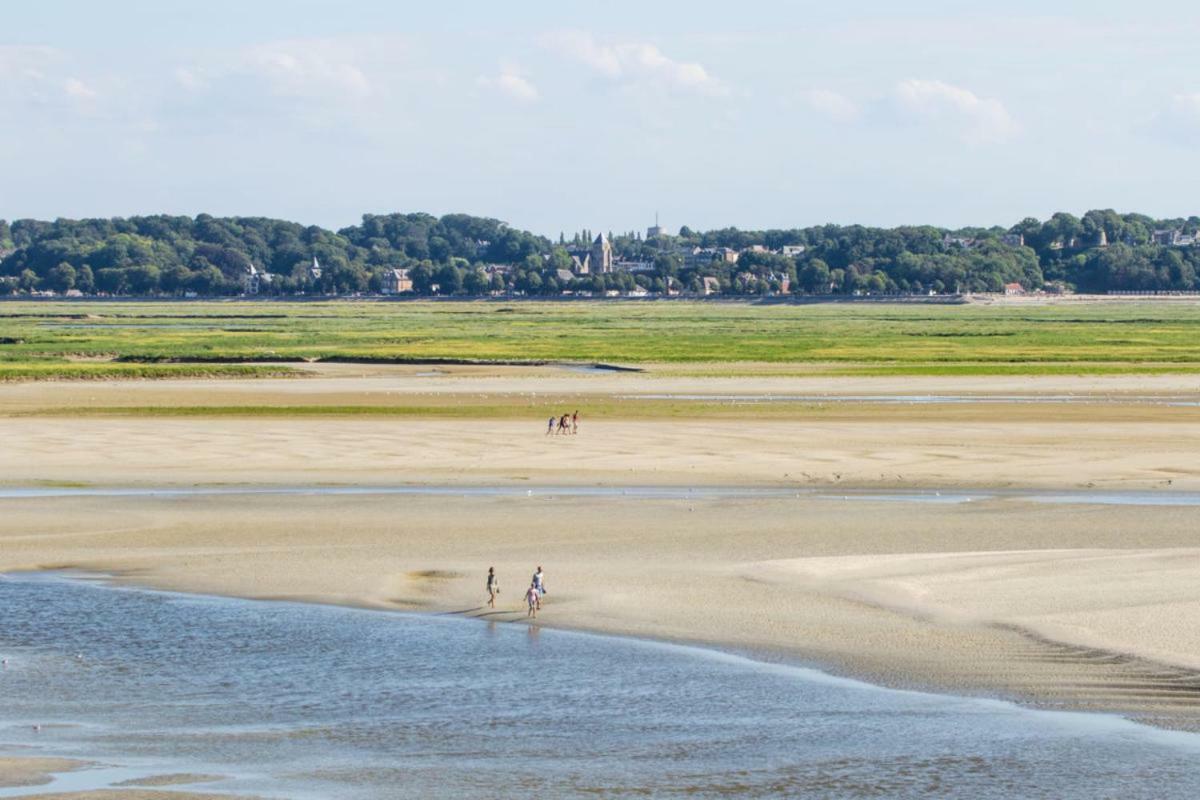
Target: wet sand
[1078, 606]
[139, 794]
[33, 770]
[1001, 597]
[376, 384]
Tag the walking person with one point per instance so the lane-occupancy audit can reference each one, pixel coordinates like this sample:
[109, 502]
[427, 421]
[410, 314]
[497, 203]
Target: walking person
[539, 583]
[531, 597]
[493, 587]
[562, 425]
[550, 427]
[575, 422]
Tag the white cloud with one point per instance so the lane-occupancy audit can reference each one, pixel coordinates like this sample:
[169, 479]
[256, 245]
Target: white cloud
[635, 63]
[335, 70]
[37, 75]
[301, 67]
[510, 83]
[974, 118]
[79, 90]
[831, 104]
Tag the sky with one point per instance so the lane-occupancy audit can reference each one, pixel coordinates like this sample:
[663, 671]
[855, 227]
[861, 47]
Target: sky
[559, 116]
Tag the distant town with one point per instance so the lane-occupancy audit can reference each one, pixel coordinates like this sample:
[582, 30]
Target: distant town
[419, 255]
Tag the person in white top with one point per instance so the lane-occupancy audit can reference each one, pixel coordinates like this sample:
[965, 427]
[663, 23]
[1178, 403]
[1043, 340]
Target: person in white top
[539, 583]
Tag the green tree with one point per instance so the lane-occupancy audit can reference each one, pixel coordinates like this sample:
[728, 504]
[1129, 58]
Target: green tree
[814, 277]
[560, 259]
[142, 279]
[85, 281]
[206, 281]
[449, 279]
[475, 282]
[61, 278]
[667, 265]
[111, 280]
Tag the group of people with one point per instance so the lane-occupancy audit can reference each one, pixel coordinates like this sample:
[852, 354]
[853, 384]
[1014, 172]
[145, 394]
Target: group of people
[533, 595]
[566, 424]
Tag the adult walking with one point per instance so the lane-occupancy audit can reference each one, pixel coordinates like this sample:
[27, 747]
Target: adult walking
[493, 587]
[539, 583]
[575, 422]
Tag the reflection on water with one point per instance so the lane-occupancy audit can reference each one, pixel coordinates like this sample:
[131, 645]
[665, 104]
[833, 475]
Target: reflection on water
[309, 701]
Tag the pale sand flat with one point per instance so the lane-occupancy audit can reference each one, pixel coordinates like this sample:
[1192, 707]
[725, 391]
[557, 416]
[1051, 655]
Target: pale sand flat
[888, 452]
[1074, 605]
[970, 597]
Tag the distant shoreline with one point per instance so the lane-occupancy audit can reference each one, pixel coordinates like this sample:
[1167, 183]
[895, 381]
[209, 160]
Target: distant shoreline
[792, 299]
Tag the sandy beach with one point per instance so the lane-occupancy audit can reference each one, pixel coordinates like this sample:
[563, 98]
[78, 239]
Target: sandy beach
[975, 597]
[1076, 605]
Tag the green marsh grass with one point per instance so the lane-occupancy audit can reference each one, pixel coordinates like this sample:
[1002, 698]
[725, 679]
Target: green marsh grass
[140, 339]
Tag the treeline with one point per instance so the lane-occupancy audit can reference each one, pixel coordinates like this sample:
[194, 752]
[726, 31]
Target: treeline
[210, 256]
[460, 254]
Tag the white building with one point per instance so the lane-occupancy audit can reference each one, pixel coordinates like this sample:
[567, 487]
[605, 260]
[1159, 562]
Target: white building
[255, 280]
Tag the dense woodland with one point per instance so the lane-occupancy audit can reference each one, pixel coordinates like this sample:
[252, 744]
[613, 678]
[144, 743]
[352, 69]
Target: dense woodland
[464, 255]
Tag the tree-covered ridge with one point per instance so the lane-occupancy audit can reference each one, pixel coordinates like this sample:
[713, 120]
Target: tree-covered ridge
[462, 254]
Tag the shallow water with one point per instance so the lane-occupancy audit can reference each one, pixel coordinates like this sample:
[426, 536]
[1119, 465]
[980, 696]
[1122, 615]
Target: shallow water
[309, 701]
[546, 492]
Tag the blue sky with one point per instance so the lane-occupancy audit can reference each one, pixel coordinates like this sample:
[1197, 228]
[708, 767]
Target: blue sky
[560, 115]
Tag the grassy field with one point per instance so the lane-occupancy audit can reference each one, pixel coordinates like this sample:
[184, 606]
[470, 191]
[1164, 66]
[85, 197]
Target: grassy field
[598, 407]
[155, 339]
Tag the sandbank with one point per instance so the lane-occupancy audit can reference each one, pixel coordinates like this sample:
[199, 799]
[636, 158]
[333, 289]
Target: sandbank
[1068, 605]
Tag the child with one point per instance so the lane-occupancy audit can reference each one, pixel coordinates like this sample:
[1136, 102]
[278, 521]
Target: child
[493, 587]
[531, 597]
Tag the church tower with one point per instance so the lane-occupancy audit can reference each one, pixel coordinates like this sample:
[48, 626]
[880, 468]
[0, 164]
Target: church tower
[602, 257]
